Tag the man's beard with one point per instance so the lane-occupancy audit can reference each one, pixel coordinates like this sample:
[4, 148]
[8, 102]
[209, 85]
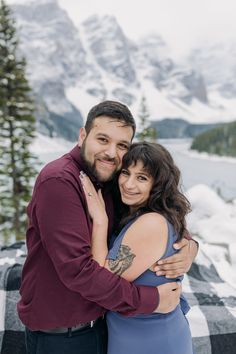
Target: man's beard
[92, 168]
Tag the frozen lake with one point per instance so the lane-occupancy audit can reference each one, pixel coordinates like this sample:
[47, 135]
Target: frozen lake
[218, 173]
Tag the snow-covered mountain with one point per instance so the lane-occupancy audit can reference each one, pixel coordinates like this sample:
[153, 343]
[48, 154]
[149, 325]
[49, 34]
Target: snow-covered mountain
[56, 58]
[216, 61]
[71, 69]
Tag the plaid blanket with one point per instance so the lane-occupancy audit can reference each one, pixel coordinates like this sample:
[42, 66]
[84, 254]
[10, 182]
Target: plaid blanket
[212, 316]
[11, 328]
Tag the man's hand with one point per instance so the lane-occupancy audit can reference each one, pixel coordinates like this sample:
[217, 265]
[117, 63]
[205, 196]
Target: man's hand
[179, 263]
[169, 295]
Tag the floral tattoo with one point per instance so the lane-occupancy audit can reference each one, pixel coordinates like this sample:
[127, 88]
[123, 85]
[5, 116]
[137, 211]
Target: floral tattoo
[123, 261]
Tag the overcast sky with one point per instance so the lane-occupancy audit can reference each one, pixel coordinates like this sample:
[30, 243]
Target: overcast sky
[182, 23]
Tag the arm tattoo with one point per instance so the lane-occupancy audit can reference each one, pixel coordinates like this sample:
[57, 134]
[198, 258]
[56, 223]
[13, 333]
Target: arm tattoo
[123, 261]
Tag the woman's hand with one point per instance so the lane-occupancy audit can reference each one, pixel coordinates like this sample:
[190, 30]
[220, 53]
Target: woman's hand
[95, 201]
[97, 211]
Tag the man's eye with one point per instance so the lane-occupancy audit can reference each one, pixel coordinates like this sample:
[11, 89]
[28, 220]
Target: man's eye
[123, 146]
[102, 140]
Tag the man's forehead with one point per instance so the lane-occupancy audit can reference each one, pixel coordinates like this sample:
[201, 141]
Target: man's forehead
[108, 125]
[106, 121]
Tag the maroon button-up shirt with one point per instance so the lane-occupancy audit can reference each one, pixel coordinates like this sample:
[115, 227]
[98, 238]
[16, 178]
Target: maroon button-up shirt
[61, 284]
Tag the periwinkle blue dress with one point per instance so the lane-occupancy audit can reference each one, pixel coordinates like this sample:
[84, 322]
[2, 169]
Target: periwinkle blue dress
[153, 333]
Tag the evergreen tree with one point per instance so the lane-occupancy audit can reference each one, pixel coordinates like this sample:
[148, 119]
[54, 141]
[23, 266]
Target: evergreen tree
[219, 141]
[17, 129]
[146, 132]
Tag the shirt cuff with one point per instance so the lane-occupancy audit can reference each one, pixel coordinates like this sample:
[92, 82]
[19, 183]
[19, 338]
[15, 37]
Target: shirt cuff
[149, 300]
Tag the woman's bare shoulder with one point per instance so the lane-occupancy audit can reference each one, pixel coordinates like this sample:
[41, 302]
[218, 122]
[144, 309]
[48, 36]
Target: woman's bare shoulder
[149, 226]
[151, 220]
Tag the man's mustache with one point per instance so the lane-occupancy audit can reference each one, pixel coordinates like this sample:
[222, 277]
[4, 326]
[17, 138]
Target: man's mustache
[105, 158]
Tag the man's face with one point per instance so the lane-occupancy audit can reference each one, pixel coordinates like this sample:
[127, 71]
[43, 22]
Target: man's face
[104, 146]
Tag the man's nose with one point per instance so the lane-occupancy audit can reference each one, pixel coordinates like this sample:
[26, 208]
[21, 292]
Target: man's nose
[111, 151]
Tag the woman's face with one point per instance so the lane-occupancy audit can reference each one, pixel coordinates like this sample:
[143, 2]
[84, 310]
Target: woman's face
[135, 185]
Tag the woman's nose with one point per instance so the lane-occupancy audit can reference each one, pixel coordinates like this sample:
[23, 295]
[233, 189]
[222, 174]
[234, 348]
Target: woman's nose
[129, 183]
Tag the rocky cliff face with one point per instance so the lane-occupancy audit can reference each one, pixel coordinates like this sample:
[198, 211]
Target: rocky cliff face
[109, 48]
[56, 58]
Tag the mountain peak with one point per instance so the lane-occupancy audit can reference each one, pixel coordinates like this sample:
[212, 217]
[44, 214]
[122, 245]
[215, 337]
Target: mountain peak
[101, 19]
[32, 2]
[72, 67]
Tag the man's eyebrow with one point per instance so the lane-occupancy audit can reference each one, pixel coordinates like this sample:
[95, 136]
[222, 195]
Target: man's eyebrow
[103, 134]
[125, 142]
[108, 137]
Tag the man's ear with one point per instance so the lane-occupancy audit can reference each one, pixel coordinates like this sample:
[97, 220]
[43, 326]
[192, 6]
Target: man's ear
[82, 136]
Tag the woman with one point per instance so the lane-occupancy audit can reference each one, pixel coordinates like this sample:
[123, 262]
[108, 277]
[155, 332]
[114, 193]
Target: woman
[153, 220]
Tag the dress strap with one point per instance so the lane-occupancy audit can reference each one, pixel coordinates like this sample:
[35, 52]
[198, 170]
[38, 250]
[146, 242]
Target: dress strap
[172, 237]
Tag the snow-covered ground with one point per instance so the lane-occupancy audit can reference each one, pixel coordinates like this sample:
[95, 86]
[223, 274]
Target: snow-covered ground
[48, 149]
[44, 145]
[212, 221]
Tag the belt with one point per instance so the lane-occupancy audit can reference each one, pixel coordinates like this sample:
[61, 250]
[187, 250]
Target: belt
[70, 329]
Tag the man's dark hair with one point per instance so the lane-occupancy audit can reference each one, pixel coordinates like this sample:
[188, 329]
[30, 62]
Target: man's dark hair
[112, 109]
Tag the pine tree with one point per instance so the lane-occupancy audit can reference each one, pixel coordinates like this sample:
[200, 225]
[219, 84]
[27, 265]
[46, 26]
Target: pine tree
[17, 129]
[146, 132]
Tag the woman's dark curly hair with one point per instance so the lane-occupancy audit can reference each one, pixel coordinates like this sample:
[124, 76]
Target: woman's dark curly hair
[165, 196]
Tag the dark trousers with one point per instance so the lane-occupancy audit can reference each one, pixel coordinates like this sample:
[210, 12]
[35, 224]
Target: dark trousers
[83, 341]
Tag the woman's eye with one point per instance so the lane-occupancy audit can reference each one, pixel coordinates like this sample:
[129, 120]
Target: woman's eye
[142, 178]
[124, 172]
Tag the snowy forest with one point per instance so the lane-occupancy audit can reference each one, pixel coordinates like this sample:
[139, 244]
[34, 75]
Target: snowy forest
[17, 131]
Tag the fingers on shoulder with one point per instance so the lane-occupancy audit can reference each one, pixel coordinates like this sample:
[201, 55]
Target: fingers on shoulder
[183, 242]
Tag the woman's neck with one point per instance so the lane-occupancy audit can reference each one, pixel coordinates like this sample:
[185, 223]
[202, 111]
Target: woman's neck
[132, 210]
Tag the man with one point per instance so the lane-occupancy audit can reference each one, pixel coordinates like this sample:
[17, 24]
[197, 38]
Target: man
[64, 293]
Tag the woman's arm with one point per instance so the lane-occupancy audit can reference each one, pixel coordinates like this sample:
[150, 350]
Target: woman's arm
[143, 244]
[99, 241]
[97, 211]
